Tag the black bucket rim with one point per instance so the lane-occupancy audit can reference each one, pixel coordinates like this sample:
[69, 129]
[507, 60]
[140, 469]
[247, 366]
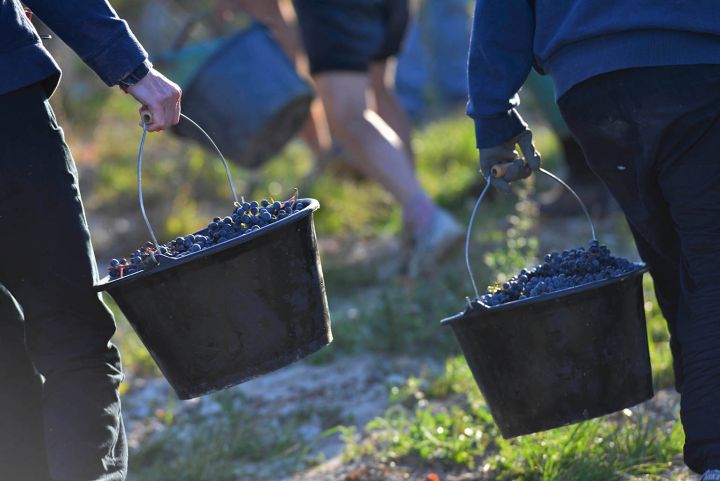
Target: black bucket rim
[641, 269]
[106, 284]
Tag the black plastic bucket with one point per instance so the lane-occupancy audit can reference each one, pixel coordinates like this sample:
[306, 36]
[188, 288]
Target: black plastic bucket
[233, 311]
[559, 358]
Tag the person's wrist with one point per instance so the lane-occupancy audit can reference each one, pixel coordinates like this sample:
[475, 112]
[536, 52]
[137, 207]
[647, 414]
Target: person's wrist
[135, 76]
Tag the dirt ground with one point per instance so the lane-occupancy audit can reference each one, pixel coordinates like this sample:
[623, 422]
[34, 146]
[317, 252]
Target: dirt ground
[353, 389]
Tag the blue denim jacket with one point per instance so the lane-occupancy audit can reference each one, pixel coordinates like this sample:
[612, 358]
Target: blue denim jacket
[90, 27]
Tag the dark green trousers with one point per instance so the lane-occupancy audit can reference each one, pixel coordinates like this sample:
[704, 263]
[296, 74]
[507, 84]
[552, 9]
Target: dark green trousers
[59, 374]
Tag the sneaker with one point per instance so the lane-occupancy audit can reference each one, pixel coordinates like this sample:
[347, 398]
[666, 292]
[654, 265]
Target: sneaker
[711, 475]
[432, 246]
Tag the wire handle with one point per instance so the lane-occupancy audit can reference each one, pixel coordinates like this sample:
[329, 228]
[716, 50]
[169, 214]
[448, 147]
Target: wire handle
[146, 118]
[479, 201]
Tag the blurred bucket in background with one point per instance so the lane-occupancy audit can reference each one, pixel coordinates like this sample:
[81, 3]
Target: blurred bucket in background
[242, 89]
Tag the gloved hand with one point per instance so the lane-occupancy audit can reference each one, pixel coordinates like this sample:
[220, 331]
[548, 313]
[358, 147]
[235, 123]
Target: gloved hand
[505, 165]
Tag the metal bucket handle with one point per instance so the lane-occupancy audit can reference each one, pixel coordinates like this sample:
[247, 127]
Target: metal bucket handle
[146, 119]
[477, 205]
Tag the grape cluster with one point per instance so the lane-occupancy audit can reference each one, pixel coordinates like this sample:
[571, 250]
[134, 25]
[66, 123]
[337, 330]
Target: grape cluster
[248, 217]
[571, 268]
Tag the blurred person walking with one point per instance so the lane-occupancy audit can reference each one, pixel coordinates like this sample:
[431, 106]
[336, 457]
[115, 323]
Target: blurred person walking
[638, 83]
[60, 416]
[350, 44]
[431, 73]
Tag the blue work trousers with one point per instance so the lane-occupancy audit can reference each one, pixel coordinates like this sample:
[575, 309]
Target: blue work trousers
[653, 136]
[59, 374]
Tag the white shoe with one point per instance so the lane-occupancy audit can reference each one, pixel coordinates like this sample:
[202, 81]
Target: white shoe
[444, 234]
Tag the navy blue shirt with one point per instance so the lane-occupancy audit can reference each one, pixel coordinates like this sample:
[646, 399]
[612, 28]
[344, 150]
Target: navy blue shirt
[572, 41]
[90, 27]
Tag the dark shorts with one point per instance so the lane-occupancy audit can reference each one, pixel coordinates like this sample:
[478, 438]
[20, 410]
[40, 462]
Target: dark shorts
[348, 35]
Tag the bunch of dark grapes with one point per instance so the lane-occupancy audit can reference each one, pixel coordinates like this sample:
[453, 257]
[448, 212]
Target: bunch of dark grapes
[571, 268]
[248, 217]
[123, 267]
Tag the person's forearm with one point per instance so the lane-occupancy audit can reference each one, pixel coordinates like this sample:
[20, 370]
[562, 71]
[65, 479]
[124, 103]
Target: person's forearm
[501, 56]
[95, 32]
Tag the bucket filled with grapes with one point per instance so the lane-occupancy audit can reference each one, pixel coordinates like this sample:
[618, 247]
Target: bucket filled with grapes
[560, 342]
[232, 301]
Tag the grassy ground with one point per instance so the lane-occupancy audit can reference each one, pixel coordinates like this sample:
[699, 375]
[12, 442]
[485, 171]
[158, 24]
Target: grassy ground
[436, 420]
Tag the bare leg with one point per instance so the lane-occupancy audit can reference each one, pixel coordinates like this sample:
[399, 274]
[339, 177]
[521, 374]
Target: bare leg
[373, 144]
[315, 132]
[384, 101]
[280, 18]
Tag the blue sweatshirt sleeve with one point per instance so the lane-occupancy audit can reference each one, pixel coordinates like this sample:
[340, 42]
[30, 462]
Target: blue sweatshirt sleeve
[95, 32]
[501, 56]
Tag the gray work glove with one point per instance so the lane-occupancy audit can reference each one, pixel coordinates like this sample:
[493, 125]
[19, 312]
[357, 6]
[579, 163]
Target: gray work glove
[505, 165]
